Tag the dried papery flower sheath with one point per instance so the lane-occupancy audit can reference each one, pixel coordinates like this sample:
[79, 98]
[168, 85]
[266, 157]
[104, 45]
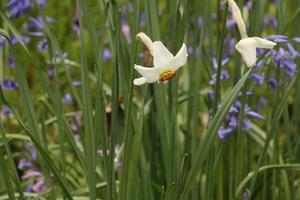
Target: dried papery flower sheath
[247, 45]
[165, 63]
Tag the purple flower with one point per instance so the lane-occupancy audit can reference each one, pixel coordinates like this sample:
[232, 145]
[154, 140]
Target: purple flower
[51, 73]
[249, 5]
[31, 150]
[42, 45]
[200, 22]
[36, 34]
[76, 27]
[258, 78]
[24, 164]
[39, 186]
[233, 122]
[8, 84]
[229, 43]
[76, 83]
[18, 7]
[285, 59]
[31, 174]
[67, 99]
[246, 124]
[5, 111]
[211, 94]
[106, 54]
[224, 62]
[10, 61]
[224, 76]
[126, 32]
[262, 102]
[255, 115]
[246, 195]
[230, 24]
[270, 21]
[278, 38]
[14, 39]
[142, 20]
[36, 23]
[248, 94]
[292, 51]
[41, 3]
[296, 39]
[224, 132]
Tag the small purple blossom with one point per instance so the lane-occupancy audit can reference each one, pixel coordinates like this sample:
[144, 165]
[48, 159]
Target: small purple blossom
[36, 23]
[285, 59]
[24, 164]
[10, 62]
[106, 54]
[31, 174]
[51, 73]
[42, 45]
[259, 78]
[76, 83]
[76, 27]
[24, 39]
[8, 84]
[200, 22]
[18, 7]
[36, 34]
[224, 132]
[31, 150]
[67, 99]
[278, 38]
[270, 21]
[5, 111]
[41, 3]
[231, 122]
[39, 186]
[246, 125]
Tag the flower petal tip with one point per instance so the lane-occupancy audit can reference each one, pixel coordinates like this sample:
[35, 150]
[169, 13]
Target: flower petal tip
[139, 81]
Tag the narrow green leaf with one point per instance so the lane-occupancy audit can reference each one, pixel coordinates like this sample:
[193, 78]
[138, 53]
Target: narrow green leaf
[209, 135]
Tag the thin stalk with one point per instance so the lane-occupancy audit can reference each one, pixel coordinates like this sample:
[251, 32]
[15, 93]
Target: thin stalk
[220, 58]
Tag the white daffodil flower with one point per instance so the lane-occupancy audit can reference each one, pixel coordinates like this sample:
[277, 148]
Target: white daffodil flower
[165, 63]
[247, 48]
[247, 45]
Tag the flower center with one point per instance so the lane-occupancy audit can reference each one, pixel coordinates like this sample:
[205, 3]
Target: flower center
[167, 75]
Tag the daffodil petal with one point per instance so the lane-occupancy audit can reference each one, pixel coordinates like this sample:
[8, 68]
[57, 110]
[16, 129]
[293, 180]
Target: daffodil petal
[139, 81]
[264, 43]
[237, 17]
[180, 58]
[247, 48]
[161, 55]
[146, 40]
[151, 74]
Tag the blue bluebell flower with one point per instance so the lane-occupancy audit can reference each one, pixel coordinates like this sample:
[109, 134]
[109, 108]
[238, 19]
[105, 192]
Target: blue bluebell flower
[5, 112]
[18, 7]
[8, 84]
[43, 45]
[259, 78]
[106, 54]
[24, 164]
[67, 99]
[10, 61]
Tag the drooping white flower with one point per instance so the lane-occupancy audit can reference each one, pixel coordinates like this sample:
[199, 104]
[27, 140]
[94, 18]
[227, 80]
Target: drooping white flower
[247, 45]
[165, 63]
[247, 48]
